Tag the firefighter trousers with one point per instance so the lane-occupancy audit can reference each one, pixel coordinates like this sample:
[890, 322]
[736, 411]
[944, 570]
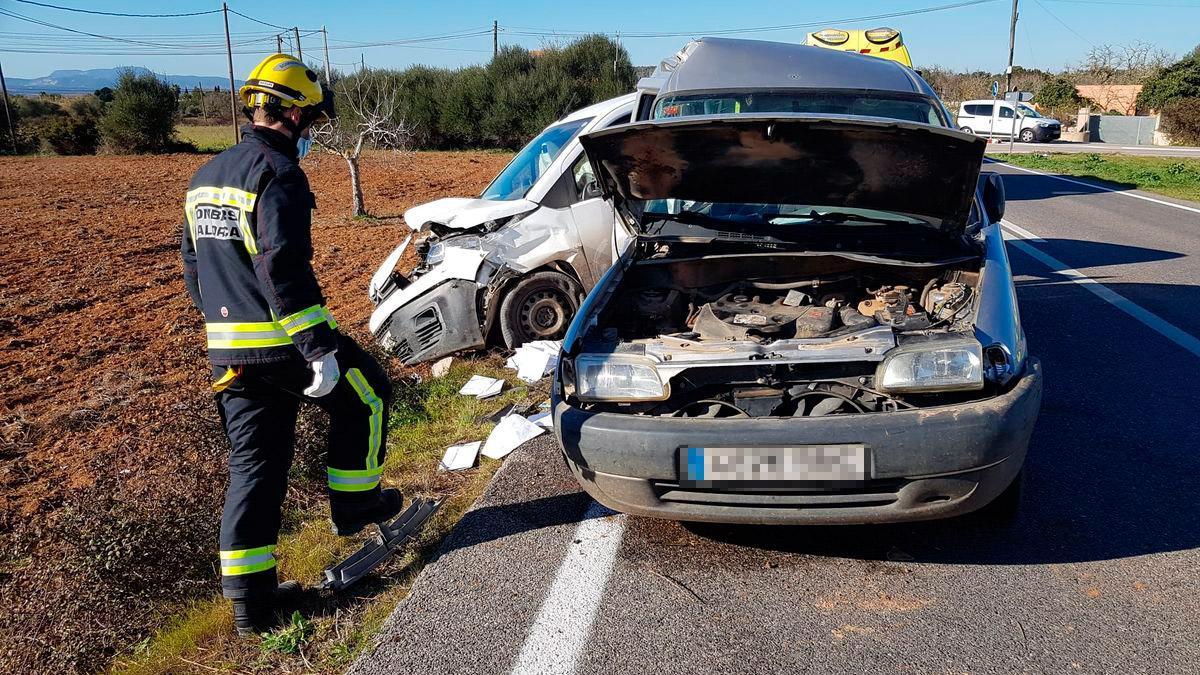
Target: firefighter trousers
[259, 411]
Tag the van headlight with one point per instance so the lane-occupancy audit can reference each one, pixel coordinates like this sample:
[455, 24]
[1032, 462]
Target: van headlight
[616, 377]
[928, 367]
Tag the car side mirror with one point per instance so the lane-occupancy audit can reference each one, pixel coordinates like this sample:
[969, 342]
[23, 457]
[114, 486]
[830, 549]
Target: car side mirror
[993, 195]
[591, 190]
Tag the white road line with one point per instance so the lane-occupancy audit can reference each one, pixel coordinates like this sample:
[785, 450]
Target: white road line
[1025, 241]
[564, 623]
[1123, 193]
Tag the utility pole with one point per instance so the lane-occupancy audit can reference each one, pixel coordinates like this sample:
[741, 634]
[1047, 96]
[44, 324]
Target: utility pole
[495, 38]
[325, 39]
[362, 62]
[12, 135]
[1012, 42]
[300, 52]
[232, 88]
[279, 43]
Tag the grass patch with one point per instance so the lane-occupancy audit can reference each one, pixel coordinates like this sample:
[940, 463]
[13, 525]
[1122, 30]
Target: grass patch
[330, 631]
[206, 138]
[1171, 176]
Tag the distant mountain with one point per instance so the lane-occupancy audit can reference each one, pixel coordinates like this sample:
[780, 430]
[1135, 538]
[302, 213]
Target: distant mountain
[87, 81]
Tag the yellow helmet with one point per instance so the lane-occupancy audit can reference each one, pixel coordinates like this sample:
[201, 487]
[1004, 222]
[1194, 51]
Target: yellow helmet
[283, 81]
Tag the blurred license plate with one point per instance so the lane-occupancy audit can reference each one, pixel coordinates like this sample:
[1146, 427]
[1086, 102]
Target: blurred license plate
[706, 467]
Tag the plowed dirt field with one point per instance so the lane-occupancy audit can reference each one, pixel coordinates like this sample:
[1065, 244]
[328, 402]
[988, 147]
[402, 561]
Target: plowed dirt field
[111, 454]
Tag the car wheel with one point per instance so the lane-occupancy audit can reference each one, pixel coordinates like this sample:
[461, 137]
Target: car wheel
[1005, 506]
[967, 130]
[1027, 135]
[539, 307]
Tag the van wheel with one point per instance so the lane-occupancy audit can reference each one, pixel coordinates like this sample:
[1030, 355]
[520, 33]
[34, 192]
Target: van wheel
[539, 307]
[1027, 135]
[967, 130]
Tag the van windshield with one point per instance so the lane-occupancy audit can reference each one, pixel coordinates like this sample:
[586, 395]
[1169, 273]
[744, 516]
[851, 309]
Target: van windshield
[1027, 111]
[532, 161]
[811, 102]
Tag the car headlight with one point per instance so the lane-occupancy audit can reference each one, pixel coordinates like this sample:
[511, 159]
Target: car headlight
[1043, 124]
[941, 365]
[436, 254]
[615, 377]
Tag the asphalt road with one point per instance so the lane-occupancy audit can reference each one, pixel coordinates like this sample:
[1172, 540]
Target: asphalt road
[1063, 146]
[1097, 574]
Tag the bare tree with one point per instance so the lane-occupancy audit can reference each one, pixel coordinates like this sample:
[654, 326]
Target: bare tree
[1133, 63]
[368, 116]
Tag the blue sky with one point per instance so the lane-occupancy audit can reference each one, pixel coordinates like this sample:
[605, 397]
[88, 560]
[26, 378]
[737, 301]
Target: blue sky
[964, 38]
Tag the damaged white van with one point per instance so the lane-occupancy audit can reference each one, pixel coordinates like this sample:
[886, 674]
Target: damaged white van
[511, 265]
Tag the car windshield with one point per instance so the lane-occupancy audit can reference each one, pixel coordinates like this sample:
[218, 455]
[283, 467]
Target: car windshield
[1029, 112]
[815, 102]
[532, 161]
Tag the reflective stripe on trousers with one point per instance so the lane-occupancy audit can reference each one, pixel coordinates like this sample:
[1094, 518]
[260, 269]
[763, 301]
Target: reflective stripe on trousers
[247, 560]
[361, 480]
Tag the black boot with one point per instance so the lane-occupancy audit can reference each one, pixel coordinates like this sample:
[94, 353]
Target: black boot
[350, 517]
[256, 614]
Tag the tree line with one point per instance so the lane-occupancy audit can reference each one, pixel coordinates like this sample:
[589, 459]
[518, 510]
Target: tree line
[498, 105]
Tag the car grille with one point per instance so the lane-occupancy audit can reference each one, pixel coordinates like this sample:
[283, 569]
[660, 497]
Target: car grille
[873, 493]
[403, 350]
[427, 328]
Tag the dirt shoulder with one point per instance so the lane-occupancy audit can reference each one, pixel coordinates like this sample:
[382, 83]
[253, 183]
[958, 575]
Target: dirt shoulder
[111, 454]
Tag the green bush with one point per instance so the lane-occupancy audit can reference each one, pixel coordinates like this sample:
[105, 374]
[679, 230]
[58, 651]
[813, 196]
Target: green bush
[507, 101]
[1180, 80]
[1181, 120]
[77, 132]
[141, 117]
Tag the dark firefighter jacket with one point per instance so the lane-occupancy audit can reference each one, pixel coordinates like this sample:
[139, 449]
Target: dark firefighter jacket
[247, 255]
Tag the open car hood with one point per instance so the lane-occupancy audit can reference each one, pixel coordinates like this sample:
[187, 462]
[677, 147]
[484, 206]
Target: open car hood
[849, 162]
[461, 213]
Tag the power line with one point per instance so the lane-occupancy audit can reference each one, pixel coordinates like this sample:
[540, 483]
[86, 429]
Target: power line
[142, 16]
[234, 11]
[1063, 23]
[14, 15]
[756, 29]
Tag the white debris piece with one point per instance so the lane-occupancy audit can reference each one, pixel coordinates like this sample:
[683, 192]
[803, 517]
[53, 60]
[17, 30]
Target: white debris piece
[510, 433]
[482, 387]
[543, 419]
[534, 360]
[442, 367]
[459, 457]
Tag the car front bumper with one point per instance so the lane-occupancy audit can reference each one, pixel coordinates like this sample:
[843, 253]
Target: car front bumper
[1044, 134]
[927, 463]
[439, 321]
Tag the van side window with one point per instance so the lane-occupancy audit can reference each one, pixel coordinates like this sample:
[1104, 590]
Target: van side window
[1007, 113]
[581, 171]
[623, 119]
[983, 110]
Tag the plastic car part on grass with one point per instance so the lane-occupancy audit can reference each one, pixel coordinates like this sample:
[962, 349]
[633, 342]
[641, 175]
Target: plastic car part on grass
[390, 539]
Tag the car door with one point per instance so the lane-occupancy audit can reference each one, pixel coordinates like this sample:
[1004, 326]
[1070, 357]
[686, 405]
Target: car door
[594, 219]
[1003, 123]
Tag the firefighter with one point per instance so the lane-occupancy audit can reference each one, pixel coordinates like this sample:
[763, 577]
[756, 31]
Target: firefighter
[247, 252]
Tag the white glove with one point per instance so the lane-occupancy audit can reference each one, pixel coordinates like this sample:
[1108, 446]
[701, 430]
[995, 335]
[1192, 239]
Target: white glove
[325, 375]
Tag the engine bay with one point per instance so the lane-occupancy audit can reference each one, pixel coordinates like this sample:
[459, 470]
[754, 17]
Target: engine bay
[777, 335]
[764, 312]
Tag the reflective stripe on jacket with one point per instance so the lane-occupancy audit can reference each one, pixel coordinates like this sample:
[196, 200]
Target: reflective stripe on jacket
[247, 254]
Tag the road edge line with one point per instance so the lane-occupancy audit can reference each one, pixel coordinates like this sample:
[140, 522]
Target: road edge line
[1124, 193]
[1149, 319]
[564, 622]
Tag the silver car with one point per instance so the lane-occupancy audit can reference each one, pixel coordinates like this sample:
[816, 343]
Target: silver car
[816, 320]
